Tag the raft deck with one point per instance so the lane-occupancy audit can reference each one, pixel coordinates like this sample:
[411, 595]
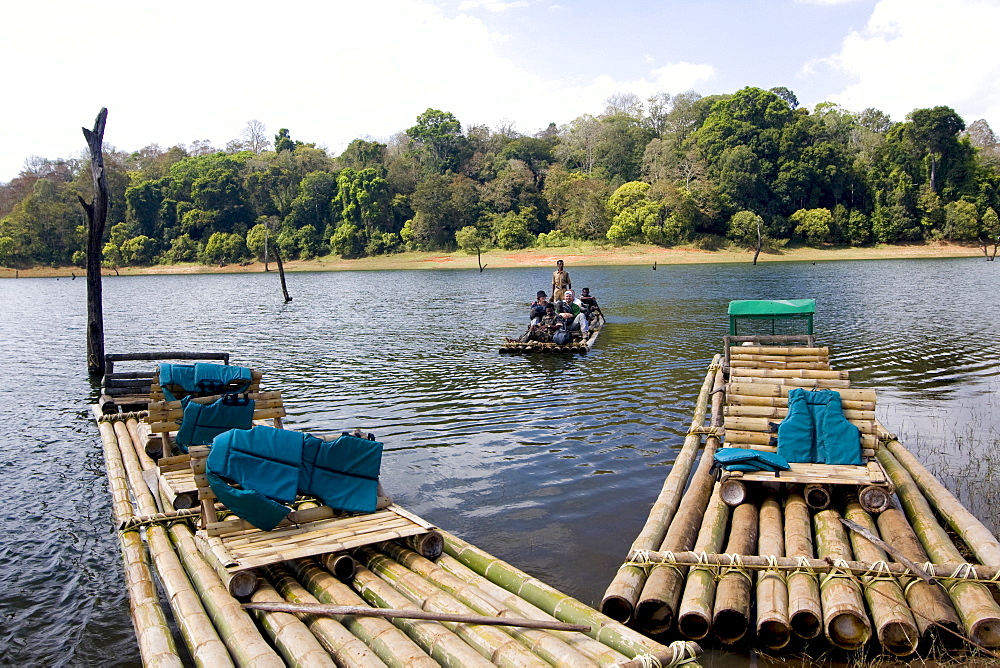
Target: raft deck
[773, 571]
[160, 542]
[579, 345]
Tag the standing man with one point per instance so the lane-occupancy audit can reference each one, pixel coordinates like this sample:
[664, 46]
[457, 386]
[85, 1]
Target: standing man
[560, 281]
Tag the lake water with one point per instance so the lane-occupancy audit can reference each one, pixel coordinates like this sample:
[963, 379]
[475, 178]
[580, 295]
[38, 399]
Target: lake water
[550, 463]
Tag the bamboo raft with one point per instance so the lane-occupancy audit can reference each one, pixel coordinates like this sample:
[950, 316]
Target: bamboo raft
[579, 345]
[368, 594]
[768, 560]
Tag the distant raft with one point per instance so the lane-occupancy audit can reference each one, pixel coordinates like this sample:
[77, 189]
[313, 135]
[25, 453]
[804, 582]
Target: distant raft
[579, 344]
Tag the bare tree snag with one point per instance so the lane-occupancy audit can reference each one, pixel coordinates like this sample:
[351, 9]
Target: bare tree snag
[479, 259]
[281, 274]
[97, 215]
[760, 243]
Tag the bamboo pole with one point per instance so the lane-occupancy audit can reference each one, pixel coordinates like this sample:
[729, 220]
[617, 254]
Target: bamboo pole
[564, 608]
[548, 646]
[592, 649]
[773, 629]
[975, 534]
[440, 642]
[694, 614]
[492, 643]
[235, 627]
[289, 634]
[346, 649]
[844, 620]
[930, 603]
[657, 607]
[980, 614]
[731, 616]
[156, 644]
[194, 623]
[623, 592]
[805, 610]
[894, 624]
[390, 644]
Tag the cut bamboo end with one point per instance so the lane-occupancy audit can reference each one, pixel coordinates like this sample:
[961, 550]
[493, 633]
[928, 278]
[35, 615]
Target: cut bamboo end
[341, 565]
[818, 497]
[733, 492]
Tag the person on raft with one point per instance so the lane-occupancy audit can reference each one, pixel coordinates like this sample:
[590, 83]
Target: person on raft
[571, 311]
[589, 303]
[542, 331]
[560, 281]
[537, 309]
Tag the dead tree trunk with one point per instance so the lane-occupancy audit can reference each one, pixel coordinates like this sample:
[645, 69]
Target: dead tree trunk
[479, 259]
[281, 274]
[97, 215]
[760, 243]
[985, 242]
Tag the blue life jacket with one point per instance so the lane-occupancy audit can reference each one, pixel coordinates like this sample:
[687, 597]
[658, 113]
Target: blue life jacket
[203, 422]
[747, 459]
[273, 465]
[816, 431]
[203, 378]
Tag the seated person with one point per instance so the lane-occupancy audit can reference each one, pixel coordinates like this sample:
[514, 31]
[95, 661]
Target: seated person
[537, 309]
[589, 303]
[571, 311]
[542, 331]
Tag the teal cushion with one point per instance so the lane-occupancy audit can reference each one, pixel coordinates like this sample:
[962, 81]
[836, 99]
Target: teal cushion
[203, 422]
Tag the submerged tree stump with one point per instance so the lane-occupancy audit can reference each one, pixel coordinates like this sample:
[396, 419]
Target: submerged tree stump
[97, 215]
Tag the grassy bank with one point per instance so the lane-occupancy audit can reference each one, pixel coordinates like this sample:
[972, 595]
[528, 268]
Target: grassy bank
[590, 255]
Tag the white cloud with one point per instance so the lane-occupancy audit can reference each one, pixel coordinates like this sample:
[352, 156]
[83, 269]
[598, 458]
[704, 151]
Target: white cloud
[187, 70]
[494, 7]
[923, 53]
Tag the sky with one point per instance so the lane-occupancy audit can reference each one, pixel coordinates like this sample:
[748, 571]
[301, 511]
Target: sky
[334, 71]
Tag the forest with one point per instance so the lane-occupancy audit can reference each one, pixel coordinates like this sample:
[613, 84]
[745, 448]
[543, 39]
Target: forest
[747, 168]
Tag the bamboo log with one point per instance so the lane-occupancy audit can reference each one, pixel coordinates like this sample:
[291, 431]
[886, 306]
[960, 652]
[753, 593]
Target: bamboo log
[738, 374]
[975, 534]
[564, 608]
[623, 592]
[804, 607]
[196, 627]
[694, 614]
[930, 603]
[818, 351]
[844, 620]
[289, 634]
[235, 627]
[391, 645]
[156, 643]
[492, 643]
[818, 496]
[440, 642]
[773, 629]
[781, 412]
[779, 402]
[731, 616]
[731, 605]
[657, 607]
[592, 649]
[548, 646]
[745, 387]
[980, 614]
[347, 650]
[894, 624]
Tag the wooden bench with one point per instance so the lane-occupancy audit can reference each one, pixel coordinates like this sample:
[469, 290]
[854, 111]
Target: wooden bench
[236, 547]
[759, 380]
[165, 417]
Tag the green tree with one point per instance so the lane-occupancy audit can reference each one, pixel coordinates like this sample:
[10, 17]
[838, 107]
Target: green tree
[223, 248]
[471, 240]
[182, 249]
[138, 251]
[813, 224]
[961, 221]
[346, 240]
[438, 134]
[746, 228]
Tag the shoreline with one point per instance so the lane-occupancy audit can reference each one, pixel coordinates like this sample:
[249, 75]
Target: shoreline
[579, 256]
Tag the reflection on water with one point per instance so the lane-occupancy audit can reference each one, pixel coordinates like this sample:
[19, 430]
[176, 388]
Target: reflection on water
[548, 462]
